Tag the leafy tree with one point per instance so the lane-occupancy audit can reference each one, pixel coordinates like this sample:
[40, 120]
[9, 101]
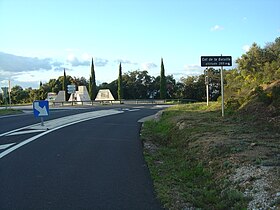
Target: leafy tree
[194, 87]
[179, 90]
[104, 85]
[113, 87]
[162, 81]
[92, 83]
[34, 94]
[170, 86]
[214, 79]
[120, 83]
[80, 82]
[138, 85]
[18, 95]
[1, 99]
[256, 67]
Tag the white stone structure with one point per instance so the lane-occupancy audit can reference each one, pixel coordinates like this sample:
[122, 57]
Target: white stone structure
[104, 95]
[60, 96]
[81, 95]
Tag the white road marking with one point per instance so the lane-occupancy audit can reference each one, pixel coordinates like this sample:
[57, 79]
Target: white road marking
[87, 116]
[24, 132]
[161, 106]
[12, 131]
[51, 124]
[139, 107]
[133, 110]
[4, 146]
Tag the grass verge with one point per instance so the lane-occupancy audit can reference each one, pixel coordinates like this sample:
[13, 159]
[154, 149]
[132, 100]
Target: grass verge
[192, 151]
[9, 111]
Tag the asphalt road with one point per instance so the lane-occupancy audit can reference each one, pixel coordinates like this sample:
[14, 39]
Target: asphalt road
[95, 164]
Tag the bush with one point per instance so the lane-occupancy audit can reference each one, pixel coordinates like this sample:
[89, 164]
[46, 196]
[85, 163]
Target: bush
[262, 95]
[232, 103]
[275, 95]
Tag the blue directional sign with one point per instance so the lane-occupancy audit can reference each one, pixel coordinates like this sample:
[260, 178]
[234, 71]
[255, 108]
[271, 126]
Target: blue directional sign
[41, 108]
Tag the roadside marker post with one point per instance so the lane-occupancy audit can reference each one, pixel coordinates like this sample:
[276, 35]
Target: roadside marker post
[218, 61]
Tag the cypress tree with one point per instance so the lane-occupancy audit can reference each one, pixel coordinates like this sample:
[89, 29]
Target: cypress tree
[120, 85]
[64, 85]
[41, 93]
[92, 83]
[162, 81]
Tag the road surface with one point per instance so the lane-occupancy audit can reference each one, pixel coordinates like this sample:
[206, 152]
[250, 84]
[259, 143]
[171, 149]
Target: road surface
[95, 162]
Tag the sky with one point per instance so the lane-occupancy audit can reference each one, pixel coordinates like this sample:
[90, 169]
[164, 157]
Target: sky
[39, 38]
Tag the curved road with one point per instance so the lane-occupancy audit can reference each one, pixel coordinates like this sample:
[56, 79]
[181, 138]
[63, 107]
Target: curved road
[94, 164]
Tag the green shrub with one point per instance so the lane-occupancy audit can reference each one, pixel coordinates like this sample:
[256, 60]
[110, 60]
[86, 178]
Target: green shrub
[232, 103]
[275, 95]
[262, 95]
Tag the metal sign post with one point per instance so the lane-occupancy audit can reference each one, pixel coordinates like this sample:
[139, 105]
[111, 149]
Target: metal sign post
[42, 121]
[207, 85]
[218, 61]
[222, 92]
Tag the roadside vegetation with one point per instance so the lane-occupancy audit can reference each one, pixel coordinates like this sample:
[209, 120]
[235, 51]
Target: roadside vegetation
[9, 111]
[193, 154]
[198, 159]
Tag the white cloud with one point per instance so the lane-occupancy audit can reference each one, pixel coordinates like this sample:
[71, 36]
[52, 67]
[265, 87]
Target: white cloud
[125, 61]
[71, 57]
[86, 57]
[14, 63]
[85, 60]
[217, 28]
[246, 48]
[193, 70]
[74, 61]
[100, 61]
[148, 65]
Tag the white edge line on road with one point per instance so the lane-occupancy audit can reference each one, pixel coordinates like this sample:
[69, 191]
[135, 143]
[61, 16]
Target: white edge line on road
[8, 151]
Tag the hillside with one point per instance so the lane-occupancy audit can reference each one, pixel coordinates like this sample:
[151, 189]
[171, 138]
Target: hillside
[198, 159]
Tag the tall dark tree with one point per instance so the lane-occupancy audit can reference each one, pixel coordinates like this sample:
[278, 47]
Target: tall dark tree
[41, 94]
[162, 81]
[120, 83]
[92, 83]
[64, 86]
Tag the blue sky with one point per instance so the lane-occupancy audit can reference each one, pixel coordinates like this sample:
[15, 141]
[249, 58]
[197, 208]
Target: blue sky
[40, 38]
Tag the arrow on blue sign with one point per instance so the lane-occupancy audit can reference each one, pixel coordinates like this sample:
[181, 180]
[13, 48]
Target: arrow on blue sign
[41, 108]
